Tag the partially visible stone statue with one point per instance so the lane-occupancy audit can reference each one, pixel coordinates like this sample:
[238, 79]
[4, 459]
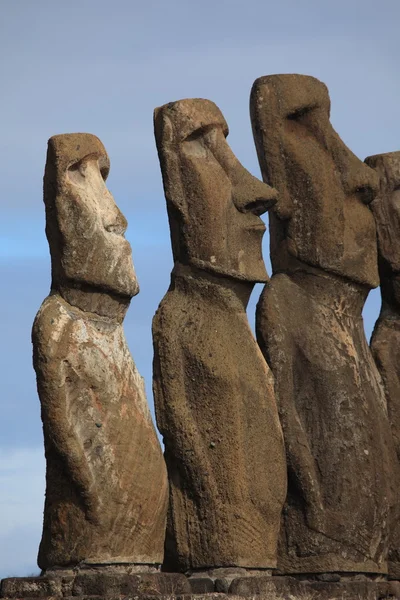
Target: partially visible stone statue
[309, 326]
[385, 342]
[214, 397]
[106, 481]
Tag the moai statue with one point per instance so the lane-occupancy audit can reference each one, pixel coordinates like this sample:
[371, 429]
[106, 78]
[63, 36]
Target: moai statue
[214, 396]
[385, 342]
[310, 329]
[106, 481]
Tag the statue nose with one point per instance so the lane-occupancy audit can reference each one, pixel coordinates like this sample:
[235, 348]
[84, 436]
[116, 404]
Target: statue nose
[252, 195]
[357, 178]
[363, 182]
[258, 206]
[366, 194]
[116, 222]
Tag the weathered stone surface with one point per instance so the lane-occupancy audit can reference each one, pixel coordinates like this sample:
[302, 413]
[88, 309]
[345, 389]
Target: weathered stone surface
[220, 579]
[213, 391]
[106, 485]
[35, 587]
[99, 584]
[262, 588]
[385, 341]
[201, 585]
[309, 326]
[164, 597]
[289, 588]
[155, 596]
[229, 573]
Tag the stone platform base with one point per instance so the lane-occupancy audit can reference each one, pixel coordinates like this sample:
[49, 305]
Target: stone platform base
[290, 588]
[99, 584]
[172, 586]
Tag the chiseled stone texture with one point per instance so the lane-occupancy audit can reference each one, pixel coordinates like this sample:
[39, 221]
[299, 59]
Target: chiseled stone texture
[385, 341]
[163, 587]
[106, 482]
[341, 472]
[289, 588]
[35, 587]
[97, 583]
[213, 391]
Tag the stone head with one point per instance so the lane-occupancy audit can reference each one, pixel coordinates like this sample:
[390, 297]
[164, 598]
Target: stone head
[386, 209]
[214, 204]
[84, 226]
[322, 217]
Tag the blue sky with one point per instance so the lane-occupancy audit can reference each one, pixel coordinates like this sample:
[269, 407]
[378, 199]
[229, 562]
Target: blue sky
[102, 67]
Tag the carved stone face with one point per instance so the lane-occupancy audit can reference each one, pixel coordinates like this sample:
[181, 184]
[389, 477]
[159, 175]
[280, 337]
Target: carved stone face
[84, 226]
[214, 203]
[386, 209]
[322, 217]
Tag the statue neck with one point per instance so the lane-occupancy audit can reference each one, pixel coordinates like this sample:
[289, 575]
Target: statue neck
[93, 301]
[333, 291]
[209, 284]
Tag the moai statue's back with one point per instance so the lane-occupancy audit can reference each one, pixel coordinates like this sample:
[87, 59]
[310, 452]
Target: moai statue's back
[213, 391]
[106, 481]
[385, 341]
[309, 326]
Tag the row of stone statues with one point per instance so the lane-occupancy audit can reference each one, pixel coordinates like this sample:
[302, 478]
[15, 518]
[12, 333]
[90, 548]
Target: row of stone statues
[280, 454]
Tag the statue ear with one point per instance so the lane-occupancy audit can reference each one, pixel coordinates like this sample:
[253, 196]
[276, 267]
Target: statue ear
[268, 125]
[168, 148]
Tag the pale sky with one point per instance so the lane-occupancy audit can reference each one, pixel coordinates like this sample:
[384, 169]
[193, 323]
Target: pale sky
[102, 67]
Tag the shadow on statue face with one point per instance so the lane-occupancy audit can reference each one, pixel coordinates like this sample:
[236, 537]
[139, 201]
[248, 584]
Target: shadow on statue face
[216, 202]
[322, 217]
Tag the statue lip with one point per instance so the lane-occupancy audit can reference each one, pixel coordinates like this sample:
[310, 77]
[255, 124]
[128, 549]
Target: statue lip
[259, 226]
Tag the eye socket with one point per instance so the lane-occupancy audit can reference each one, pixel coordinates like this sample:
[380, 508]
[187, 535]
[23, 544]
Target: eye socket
[77, 173]
[201, 142]
[104, 172]
[104, 167]
[195, 136]
[198, 133]
[205, 130]
[77, 167]
[300, 113]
